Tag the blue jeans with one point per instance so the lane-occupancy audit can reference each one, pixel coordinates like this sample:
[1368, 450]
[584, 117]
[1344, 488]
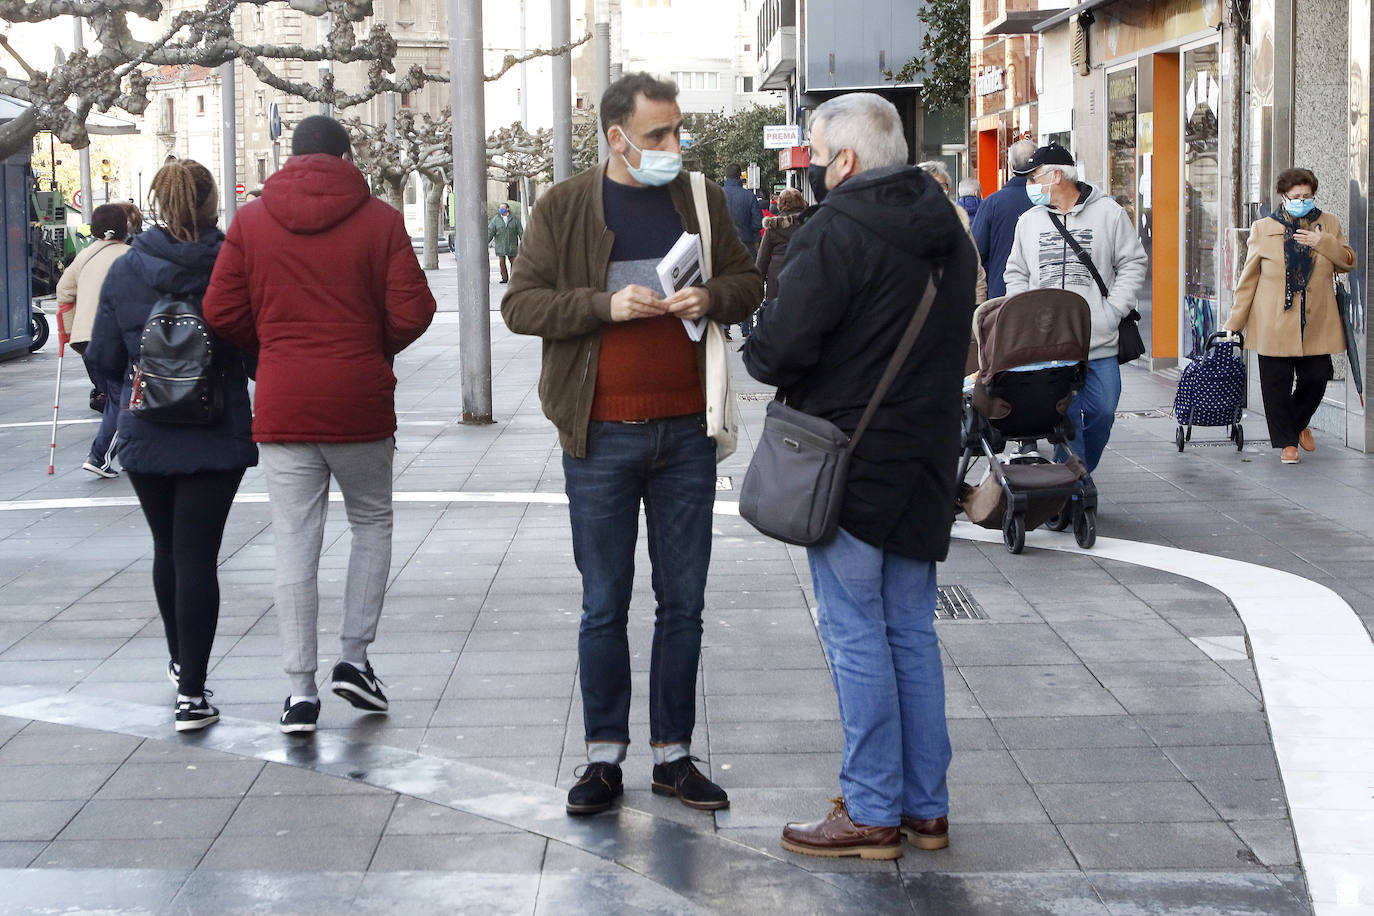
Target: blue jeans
[670, 466]
[103, 445]
[877, 620]
[1093, 410]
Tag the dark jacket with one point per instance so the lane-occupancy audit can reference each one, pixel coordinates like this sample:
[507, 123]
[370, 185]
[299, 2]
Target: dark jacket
[855, 273]
[319, 280]
[994, 230]
[156, 266]
[558, 289]
[773, 251]
[745, 212]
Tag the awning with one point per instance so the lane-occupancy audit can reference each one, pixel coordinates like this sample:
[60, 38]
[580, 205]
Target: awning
[1019, 22]
[1065, 15]
[11, 108]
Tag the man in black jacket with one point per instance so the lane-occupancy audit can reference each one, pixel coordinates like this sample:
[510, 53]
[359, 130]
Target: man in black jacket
[855, 273]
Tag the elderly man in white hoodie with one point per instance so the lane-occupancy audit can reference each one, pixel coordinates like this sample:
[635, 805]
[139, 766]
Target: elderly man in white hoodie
[1042, 258]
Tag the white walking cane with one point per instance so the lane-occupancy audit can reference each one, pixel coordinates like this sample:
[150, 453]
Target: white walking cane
[63, 335]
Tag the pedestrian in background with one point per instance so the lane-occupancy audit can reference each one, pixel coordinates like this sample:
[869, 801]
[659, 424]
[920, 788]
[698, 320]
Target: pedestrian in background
[855, 273]
[624, 384]
[503, 234]
[1285, 303]
[970, 196]
[1042, 258]
[937, 170]
[185, 476]
[746, 212]
[79, 289]
[777, 237]
[319, 281]
[994, 228]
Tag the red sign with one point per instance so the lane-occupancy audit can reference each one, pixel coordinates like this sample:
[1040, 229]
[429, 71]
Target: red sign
[795, 157]
[240, 189]
[76, 199]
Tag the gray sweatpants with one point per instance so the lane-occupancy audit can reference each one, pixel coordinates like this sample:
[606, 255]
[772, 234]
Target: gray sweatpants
[298, 488]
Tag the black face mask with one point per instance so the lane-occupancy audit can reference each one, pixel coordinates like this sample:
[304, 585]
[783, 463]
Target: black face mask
[815, 176]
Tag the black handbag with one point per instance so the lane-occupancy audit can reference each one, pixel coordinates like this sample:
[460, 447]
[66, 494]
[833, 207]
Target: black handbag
[1129, 344]
[794, 488]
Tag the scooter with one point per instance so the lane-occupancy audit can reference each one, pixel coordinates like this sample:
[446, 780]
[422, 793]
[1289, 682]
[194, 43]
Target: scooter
[38, 328]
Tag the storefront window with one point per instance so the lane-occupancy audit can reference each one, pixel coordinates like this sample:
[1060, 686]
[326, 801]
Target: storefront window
[1202, 195]
[1121, 139]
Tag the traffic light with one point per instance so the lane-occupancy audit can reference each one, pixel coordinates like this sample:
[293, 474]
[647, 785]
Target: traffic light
[105, 170]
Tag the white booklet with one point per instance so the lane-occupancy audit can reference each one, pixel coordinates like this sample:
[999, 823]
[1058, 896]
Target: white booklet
[680, 268]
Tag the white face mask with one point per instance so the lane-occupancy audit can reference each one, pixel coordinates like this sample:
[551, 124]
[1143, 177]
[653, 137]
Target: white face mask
[656, 167]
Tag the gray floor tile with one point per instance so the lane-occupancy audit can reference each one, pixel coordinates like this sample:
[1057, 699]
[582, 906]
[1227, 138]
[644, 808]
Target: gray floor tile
[1226, 761]
[1143, 893]
[180, 853]
[232, 893]
[1053, 894]
[35, 820]
[36, 783]
[508, 852]
[326, 815]
[1157, 846]
[300, 851]
[1071, 732]
[15, 854]
[204, 779]
[413, 817]
[1124, 802]
[1106, 764]
[150, 819]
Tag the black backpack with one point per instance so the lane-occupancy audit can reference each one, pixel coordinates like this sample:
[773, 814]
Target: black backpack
[177, 378]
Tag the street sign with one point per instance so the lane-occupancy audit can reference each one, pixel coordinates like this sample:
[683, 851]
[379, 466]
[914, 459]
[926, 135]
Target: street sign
[274, 122]
[782, 136]
[240, 189]
[76, 199]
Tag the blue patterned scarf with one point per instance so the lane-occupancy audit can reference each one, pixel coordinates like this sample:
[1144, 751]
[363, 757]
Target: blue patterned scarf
[1297, 258]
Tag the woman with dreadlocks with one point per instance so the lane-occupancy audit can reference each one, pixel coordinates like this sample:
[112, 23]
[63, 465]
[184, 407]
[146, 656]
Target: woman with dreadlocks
[1286, 304]
[185, 475]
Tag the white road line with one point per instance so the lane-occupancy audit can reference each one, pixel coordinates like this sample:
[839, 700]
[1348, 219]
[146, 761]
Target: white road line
[1313, 657]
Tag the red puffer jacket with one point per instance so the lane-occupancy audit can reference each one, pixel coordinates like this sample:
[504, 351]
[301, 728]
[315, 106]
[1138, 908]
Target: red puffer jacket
[319, 280]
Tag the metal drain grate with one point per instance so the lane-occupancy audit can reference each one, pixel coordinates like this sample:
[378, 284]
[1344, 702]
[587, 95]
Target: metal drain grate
[754, 395]
[953, 602]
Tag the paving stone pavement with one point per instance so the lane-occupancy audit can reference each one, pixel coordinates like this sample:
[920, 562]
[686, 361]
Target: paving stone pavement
[1111, 749]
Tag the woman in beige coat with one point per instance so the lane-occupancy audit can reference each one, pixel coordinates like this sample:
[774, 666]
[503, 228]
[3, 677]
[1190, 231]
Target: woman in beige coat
[1286, 305]
[80, 286]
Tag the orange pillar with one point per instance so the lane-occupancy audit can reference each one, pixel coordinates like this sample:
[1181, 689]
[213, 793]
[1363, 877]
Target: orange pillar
[989, 161]
[1166, 182]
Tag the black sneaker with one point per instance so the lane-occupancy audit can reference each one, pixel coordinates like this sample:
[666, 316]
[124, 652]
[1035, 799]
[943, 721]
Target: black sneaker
[99, 468]
[194, 716]
[174, 673]
[683, 779]
[598, 784]
[361, 688]
[299, 718]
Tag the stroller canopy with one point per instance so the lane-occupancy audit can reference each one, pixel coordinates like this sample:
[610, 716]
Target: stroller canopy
[1031, 327]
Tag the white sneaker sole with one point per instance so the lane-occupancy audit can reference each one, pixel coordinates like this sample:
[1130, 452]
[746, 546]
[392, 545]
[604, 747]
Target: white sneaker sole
[298, 727]
[197, 724]
[107, 473]
[358, 698]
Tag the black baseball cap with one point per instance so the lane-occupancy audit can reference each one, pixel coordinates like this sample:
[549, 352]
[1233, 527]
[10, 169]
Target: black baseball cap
[1054, 154]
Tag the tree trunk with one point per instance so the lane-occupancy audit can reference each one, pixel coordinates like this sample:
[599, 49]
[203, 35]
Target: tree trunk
[434, 204]
[396, 194]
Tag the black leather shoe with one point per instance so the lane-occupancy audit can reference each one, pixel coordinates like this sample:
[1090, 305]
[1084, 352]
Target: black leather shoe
[682, 779]
[597, 786]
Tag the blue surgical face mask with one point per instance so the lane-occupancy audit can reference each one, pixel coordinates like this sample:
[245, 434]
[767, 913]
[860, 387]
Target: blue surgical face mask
[1299, 208]
[1039, 194]
[656, 167]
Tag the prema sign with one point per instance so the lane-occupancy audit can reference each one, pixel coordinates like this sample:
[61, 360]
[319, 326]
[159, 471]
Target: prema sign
[782, 136]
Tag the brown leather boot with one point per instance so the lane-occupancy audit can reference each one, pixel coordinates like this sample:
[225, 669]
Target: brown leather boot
[837, 835]
[926, 834]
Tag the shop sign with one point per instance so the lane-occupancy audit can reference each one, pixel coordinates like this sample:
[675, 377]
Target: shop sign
[794, 157]
[782, 136]
[990, 80]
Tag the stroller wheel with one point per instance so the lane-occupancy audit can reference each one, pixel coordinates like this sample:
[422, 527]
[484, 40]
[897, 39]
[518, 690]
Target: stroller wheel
[1060, 520]
[1238, 435]
[1014, 532]
[1178, 438]
[1085, 528]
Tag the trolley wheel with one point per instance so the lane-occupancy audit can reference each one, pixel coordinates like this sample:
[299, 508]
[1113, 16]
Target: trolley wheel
[1238, 436]
[1178, 438]
[1014, 532]
[38, 331]
[1061, 519]
[1085, 528]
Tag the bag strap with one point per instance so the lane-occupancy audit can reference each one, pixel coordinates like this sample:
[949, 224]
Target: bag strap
[1084, 258]
[703, 220]
[894, 365]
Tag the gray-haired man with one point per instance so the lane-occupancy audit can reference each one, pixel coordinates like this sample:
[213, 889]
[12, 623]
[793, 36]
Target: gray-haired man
[994, 225]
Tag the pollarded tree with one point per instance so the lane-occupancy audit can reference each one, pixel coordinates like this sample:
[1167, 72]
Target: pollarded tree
[112, 73]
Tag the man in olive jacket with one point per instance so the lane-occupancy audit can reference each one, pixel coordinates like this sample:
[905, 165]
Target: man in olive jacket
[624, 384]
[503, 232]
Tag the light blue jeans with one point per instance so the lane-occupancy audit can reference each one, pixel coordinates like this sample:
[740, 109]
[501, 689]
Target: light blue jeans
[877, 620]
[1093, 410]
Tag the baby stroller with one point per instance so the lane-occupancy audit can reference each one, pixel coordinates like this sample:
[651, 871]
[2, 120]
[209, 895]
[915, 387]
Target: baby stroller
[1032, 355]
[1212, 389]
